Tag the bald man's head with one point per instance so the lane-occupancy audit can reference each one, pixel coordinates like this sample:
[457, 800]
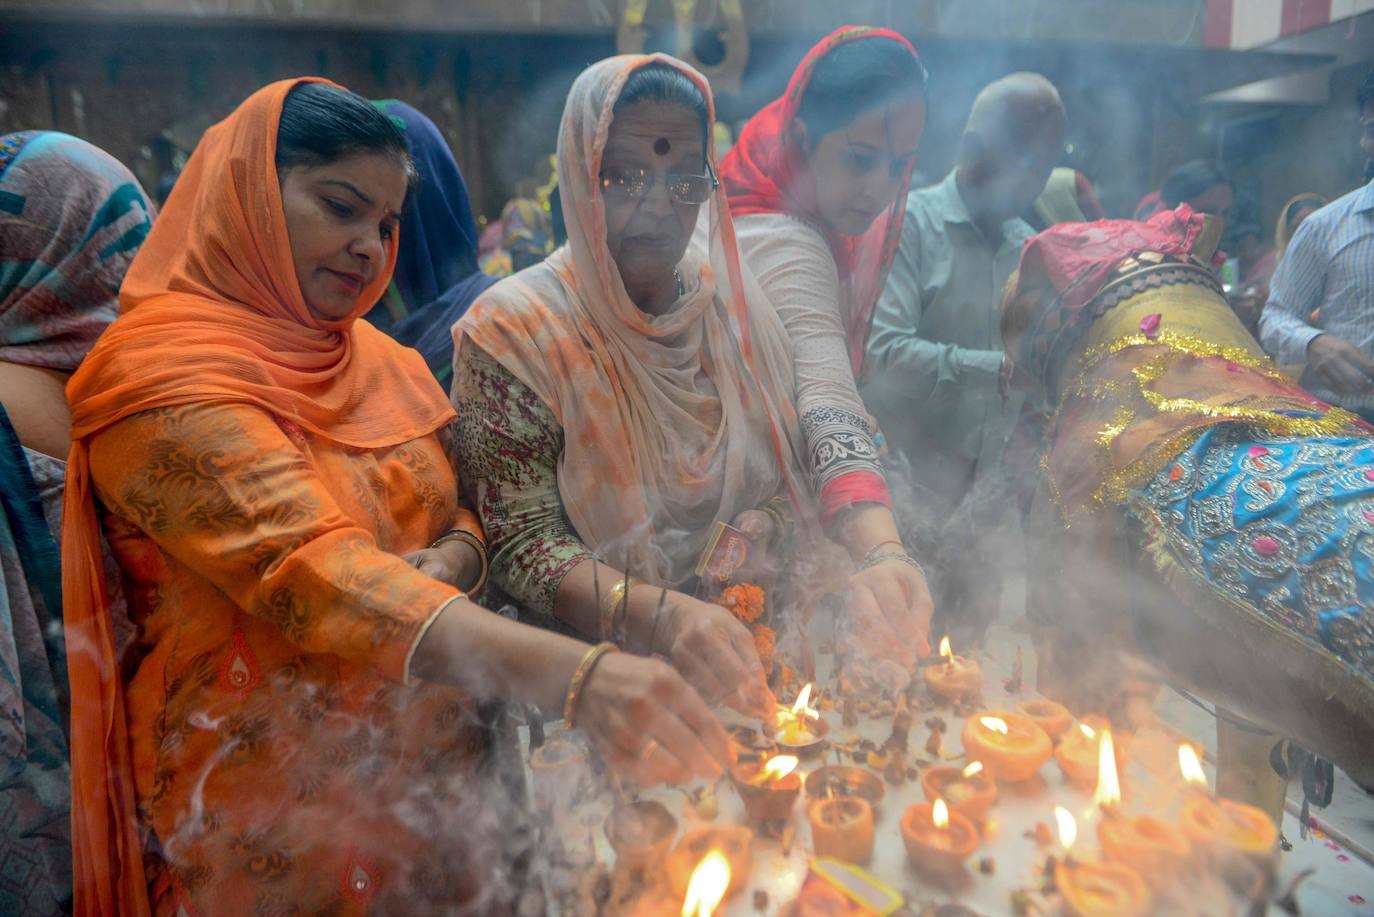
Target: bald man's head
[1013, 139]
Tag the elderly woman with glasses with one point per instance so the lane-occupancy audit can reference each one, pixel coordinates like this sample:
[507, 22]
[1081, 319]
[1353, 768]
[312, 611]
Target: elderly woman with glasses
[623, 398]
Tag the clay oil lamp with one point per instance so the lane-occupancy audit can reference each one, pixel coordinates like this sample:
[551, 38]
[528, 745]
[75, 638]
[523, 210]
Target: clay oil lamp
[768, 791]
[558, 773]
[751, 744]
[708, 885]
[836, 781]
[733, 842]
[641, 834]
[801, 728]
[937, 840]
[1054, 718]
[970, 792]
[842, 828]
[1222, 827]
[956, 678]
[1010, 745]
[1096, 889]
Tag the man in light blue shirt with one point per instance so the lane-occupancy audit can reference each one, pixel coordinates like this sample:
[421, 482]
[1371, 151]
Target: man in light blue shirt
[1321, 299]
[935, 351]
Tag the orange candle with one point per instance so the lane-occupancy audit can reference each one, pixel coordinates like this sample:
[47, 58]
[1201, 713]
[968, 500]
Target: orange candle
[1010, 745]
[708, 886]
[1077, 751]
[1077, 755]
[770, 790]
[956, 678]
[970, 792]
[842, 828]
[1157, 849]
[1221, 827]
[734, 842]
[1224, 826]
[937, 840]
[1054, 718]
[1101, 890]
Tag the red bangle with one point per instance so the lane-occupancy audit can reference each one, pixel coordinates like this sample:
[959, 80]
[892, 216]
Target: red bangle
[849, 490]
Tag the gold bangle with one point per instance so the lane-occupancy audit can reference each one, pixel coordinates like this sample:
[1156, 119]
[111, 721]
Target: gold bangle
[615, 597]
[620, 618]
[584, 670]
[476, 544]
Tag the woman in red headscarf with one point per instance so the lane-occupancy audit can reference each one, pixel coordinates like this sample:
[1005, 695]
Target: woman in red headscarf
[296, 725]
[817, 185]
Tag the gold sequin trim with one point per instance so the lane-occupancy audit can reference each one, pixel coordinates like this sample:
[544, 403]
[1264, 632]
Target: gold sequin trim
[1182, 343]
[1120, 422]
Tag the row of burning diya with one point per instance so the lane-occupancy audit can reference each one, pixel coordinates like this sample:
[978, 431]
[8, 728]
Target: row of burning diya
[940, 835]
[1143, 856]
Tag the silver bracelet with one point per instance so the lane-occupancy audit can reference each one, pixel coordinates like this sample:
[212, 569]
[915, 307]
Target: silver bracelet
[877, 557]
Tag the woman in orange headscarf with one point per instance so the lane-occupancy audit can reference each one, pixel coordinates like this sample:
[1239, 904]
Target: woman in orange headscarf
[296, 727]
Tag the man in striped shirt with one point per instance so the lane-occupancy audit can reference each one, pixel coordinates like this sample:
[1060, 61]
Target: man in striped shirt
[1321, 300]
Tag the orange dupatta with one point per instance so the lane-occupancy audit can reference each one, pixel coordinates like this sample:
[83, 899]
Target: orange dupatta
[212, 313]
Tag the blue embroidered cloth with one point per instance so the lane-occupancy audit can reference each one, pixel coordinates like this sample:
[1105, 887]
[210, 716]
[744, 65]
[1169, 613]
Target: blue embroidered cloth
[1284, 524]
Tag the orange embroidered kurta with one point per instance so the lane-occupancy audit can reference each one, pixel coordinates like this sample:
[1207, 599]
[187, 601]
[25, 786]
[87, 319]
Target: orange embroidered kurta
[282, 762]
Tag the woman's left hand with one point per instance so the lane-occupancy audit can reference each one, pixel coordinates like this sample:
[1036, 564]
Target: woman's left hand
[890, 608]
[455, 562]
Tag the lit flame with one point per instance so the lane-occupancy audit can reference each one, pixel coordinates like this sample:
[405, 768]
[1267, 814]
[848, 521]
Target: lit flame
[975, 768]
[939, 814]
[1191, 766]
[945, 650]
[1087, 730]
[778, 767]
[800, 708]
[1108, 787]
[1068, 828]
[707, 888]
[995, 724]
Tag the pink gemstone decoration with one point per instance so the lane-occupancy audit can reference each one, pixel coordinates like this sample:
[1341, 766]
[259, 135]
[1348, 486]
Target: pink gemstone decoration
[1232, 367]
[1150, 325]
[1265, 546]
[1257, 451]
[1369, 473]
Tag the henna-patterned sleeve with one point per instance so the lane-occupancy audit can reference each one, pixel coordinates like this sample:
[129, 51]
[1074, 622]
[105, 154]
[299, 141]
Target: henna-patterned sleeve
[793, 263]
[509, 444]
[227, 493]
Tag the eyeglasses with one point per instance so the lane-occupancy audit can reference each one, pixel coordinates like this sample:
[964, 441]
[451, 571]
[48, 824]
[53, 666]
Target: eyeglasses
[635, 183]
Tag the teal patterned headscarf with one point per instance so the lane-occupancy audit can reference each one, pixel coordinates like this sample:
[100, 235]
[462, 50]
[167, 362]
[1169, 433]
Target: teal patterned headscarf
[71, 220]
